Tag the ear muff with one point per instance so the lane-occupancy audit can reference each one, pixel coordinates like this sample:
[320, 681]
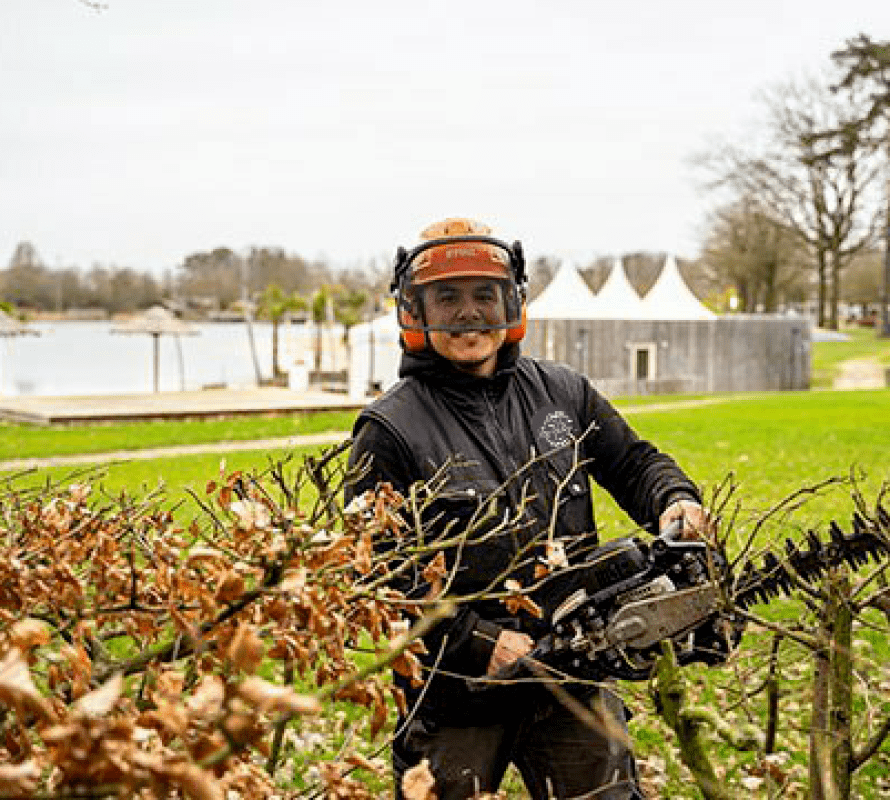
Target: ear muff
[413, 340]
[517, 332]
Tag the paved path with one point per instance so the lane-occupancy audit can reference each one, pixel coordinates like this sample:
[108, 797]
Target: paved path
[861, 373]
[678, 405]
[65, 410]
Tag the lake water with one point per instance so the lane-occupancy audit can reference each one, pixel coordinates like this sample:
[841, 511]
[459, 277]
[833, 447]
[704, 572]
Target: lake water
[86, 358]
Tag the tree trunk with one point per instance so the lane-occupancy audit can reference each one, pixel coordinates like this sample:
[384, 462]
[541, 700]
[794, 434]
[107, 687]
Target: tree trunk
[835, 297]
[841, 682]
[831, 759]
[276, 369]
[821, 785]
[671, 691]
[885, 304]
[772, 697]
[769, 290]
[820, 302]
[318, 346]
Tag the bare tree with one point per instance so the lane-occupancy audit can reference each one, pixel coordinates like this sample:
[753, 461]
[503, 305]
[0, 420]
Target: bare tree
[541, 271]
[863, 284]
[642, 269]
[815, 174]
[866, 65]
[761, 260]
[210, 274]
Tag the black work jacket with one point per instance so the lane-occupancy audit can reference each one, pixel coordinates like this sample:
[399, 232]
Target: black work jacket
[529, 438]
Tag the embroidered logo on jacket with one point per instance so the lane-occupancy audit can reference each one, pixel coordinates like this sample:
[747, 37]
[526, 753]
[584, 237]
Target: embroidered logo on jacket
[555, 430]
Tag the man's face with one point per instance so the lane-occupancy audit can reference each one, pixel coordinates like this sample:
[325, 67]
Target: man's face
[465, 303]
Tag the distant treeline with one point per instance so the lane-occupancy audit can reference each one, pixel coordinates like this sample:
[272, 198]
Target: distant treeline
[203, 283]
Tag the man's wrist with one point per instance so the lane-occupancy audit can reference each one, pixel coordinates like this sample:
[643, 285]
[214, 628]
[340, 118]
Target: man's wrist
[676, 497]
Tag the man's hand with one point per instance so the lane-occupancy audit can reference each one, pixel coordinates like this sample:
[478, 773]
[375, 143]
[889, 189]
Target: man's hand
[509, 646]
[696, 524]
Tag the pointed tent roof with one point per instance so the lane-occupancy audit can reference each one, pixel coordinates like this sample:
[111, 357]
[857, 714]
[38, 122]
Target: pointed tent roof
[671, 298]
[567, 296]
[617, 299]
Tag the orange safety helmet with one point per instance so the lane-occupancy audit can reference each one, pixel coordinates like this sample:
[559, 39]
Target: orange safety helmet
[457, 248]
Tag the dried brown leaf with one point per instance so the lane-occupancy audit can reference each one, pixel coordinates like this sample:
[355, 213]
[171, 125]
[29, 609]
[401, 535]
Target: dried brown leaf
[517, 599]
[169, 685]
[28, 633]
[79, 492]
[434, 574]
[251, 515]
[16, 687]
[294, 580]
[363, 554]
[168, 718]
[100, 702]
[207, 699]
[202, 553]
[19, 779]
[408, 665]
[556, 557]
[196, 783]
[380, 713]
[361, 762]
[230, 588]
[398, 696]
[246, 650]
[268, 697]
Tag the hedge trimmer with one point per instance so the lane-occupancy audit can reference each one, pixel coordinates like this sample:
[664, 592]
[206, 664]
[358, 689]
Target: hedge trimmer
[613, 611]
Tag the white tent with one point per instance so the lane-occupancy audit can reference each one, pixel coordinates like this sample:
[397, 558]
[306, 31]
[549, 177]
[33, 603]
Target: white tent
[671, 298]
[617, 299]
[374, 355]
[567, 296]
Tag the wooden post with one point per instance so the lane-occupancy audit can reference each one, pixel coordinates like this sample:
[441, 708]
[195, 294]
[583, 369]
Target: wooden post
[156, 342]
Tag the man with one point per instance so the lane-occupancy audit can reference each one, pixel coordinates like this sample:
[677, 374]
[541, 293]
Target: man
[510, 443]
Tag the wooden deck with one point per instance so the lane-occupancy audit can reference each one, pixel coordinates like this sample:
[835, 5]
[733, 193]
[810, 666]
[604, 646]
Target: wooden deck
[170, 405]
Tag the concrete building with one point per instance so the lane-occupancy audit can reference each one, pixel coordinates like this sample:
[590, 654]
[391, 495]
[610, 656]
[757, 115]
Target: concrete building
[673, 344]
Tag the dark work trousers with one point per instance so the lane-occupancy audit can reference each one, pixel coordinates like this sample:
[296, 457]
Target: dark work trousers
[559, 756]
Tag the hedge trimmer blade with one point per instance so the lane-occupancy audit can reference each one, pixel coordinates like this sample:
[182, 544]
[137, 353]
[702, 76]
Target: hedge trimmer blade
[803, 563]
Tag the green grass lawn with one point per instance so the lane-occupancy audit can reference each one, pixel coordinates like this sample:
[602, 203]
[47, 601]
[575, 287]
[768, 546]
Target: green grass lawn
[771, 444]
[774, 444]
[26, 441]
[175, 477]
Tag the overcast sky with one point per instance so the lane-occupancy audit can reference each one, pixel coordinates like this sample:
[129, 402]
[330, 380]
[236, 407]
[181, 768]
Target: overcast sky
[157, 128]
